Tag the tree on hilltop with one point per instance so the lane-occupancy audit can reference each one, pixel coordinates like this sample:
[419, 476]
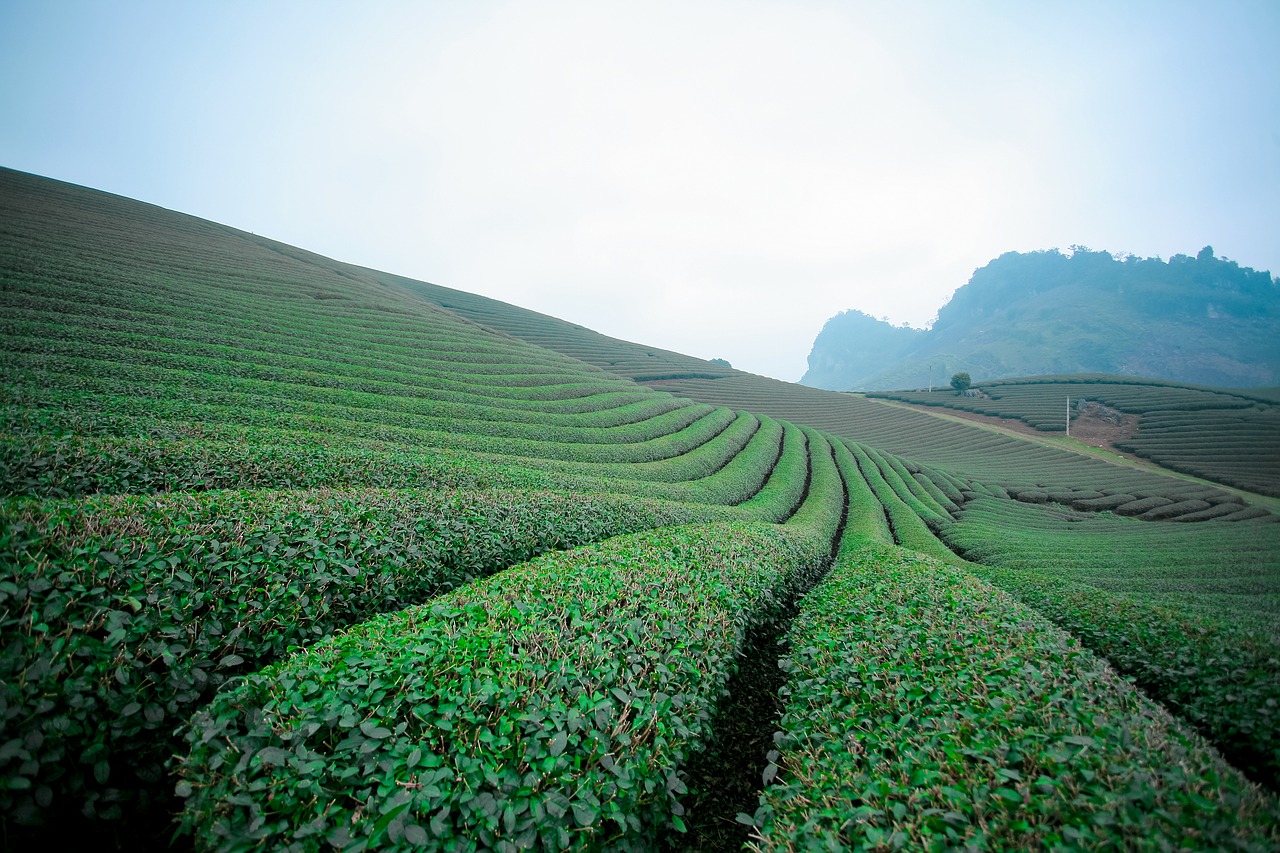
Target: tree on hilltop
[961, 382]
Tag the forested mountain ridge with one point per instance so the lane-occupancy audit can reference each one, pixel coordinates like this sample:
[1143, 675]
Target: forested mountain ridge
[1203, 320]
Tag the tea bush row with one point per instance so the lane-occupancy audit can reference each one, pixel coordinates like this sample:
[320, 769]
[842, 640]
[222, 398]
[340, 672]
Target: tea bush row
[1226, 437]
[905, 523]
[968, 453]
[1219, 677]
[926, 711]
[121, 395]
[789, 482]
[121, 615]
[202, 458]
[1183, 609]
[1122, 554]
[824, 500]
[177, 456]
[234, 346]
[527, 373]
[552, 705]
[219, 328]
[113, 373]
[865, 518]
[108, 370]
[517, 439]
[526, 389]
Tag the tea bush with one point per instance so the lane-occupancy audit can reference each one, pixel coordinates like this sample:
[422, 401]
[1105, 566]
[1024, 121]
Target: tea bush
[926, 711]
[551, 705]
[122, 615]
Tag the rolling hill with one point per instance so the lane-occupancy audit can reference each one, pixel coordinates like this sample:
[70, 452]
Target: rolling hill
[1230, 437]
[296, 554]
[1202, 320]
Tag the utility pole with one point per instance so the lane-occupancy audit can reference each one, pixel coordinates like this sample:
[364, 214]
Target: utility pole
[1068, 417]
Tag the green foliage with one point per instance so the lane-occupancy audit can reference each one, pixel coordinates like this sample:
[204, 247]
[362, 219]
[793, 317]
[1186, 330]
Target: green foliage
[201, 458]
[788, 482]
[1225, 570]
[961, 381]
[1216, 676]
[1160, 603]
[391, 451]
[551, 705]
[926, 711]
[123, 616]
[865, 520]
[967, 452]
[907, 515]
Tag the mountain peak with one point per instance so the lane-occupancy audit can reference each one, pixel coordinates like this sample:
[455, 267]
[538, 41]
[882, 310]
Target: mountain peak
[1201, 319]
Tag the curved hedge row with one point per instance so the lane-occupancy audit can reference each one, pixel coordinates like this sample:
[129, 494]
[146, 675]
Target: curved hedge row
[1125, 555]
[905, 523]
[824, 505]
[62, 466]
[865, 519]
[789, 481]
[696, 463]
[181, 456]
[1218, 677]
[122, 615]
[550, 705]
[926, 711]
[607, 446]
[359, 358]
[544, 378]
[1228, 437]
[98, 383]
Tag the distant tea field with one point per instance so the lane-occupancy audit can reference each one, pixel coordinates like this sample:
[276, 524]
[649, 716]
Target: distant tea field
[1230, 437]
[298, 555]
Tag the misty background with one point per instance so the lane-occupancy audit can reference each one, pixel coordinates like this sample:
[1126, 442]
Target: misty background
[716, 178]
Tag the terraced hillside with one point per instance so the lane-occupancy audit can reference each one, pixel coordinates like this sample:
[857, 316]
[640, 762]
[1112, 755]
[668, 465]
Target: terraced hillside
[1231, 437]
[292, 557]
[624, 358]
[1239, 449]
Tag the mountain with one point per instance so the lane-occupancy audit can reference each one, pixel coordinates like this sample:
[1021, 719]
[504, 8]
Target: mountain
[1202, 320]
[854, 343]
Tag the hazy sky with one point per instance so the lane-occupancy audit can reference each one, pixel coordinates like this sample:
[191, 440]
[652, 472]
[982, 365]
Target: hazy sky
[716, 178]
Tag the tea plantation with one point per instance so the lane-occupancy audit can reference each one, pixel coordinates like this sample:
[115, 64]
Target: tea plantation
[1231, 437]
[297, 555]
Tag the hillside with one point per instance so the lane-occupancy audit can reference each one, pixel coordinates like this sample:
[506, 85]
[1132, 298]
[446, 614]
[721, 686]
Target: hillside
[1225, 436]
[1201, 320]
[300, 555]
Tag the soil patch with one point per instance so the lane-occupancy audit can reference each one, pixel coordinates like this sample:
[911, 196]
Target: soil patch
[1101, 426]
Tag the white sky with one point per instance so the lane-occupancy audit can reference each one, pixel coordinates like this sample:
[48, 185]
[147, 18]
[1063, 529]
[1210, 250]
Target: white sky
[716, 177]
